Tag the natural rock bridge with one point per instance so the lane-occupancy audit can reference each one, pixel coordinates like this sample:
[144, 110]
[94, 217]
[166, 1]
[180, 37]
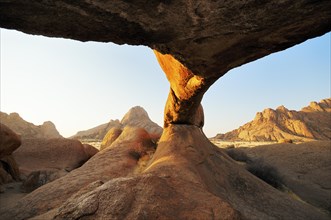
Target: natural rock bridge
[195, 42]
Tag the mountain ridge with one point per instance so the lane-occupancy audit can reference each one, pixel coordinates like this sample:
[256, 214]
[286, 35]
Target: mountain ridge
[27, 129]
[310, 123]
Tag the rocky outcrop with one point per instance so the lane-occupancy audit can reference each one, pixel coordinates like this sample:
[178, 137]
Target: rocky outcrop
[185, 178]
[48, 130]
[28, 130]
[97, 132]
[135, 117]
[311, 123]
[138, 117]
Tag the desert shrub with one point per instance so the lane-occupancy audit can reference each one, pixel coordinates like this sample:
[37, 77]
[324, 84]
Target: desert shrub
[231, 146]
[266, 173]
[238, 154]
[134, 154]
[289, 141]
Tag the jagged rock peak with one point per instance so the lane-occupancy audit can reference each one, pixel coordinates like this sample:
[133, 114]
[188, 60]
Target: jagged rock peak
[135, 113]
[138, 117]
[281, 108]
[135, 117]
[324, 106]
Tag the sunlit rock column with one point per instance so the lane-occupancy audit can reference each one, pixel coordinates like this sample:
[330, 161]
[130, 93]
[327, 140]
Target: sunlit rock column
[186, 92]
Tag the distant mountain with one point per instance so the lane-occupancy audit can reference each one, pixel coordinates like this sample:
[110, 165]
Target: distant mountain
[27, 129]
[310, 123]
[135, 117]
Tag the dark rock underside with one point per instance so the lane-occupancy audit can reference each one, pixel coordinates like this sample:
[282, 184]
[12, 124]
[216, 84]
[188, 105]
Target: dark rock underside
[207, 37]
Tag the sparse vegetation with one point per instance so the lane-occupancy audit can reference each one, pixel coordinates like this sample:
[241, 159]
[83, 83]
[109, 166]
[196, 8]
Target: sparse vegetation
[238, 154]
[257, 167]
[289, 141]
[266, 173]
[134, 154]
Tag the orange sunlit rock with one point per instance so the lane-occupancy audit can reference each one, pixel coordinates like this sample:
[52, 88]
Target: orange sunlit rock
[182, 80]
[183, 104]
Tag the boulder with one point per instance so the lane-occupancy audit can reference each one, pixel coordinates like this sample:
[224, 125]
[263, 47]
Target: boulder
[5, 177]
[50, 154]
[110, 137]
[9, 141]
[9, 164]
[90, 151]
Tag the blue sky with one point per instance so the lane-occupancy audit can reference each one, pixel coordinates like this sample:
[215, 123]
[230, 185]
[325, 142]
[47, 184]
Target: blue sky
[80, 85]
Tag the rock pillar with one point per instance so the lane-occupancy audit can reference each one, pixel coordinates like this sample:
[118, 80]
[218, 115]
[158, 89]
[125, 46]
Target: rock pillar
[186, 92]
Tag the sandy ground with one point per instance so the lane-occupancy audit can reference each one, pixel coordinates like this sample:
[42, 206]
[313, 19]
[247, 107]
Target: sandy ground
[225, 144]
[221, 144]
[92, 142]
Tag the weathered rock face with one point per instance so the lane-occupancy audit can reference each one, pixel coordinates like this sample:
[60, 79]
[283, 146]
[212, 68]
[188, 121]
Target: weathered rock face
[311, 123]
[28, 130]
[135, 117]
